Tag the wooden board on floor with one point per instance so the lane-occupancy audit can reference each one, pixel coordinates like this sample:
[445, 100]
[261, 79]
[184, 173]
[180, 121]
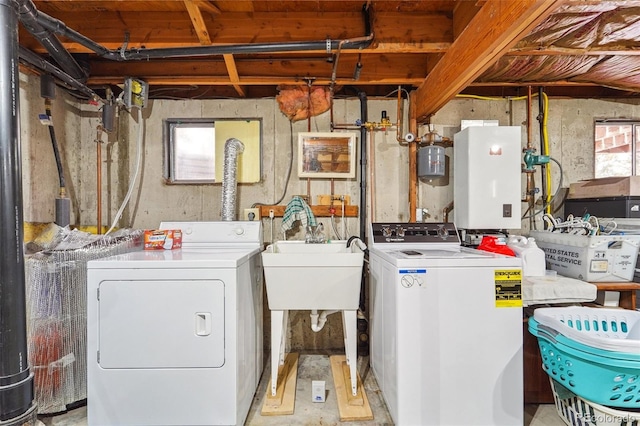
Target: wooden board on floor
[283, 403]
[348, 412]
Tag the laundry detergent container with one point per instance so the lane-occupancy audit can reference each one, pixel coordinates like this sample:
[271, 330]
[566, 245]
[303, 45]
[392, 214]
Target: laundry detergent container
[301, 276]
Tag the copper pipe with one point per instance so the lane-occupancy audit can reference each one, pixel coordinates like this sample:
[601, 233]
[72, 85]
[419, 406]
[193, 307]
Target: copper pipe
[531, 184]
[308, 130]
[399, 113]
[446, 210]
[372, 183]
[99, 182]
[413, 162]
[332, 192]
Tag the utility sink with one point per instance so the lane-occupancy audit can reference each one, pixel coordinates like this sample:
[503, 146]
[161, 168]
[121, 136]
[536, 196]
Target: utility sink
[302, 276]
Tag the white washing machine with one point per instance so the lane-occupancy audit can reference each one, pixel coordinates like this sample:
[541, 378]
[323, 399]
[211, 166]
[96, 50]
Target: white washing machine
[446, 328]
[175, 336]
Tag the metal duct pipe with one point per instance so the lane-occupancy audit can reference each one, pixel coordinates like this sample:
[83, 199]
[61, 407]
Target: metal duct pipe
[29, 18]
[37, 61]
[60, 28]
[16, 380]
[229, 181]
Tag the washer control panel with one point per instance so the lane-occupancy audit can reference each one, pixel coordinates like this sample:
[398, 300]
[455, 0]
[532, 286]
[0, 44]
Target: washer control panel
[444, 232]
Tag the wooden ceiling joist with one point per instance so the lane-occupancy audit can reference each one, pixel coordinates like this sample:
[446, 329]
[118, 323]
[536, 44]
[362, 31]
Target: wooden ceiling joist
[193, 7]
[233, 74]
[207, 6]
[198, 21]
[477, 48]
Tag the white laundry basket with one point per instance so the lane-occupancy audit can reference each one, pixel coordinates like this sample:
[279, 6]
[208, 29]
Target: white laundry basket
[576, 411]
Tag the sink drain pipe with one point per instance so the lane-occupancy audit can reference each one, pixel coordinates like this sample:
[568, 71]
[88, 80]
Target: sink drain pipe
[16, 380]
[319, 320]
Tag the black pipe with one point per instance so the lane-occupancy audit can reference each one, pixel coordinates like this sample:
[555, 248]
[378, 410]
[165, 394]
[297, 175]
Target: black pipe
[43, 65]
[54, 144]
[363, 165]
[28, 17]
[363, 183]
[363, 333]
[16, 380]
[60, 28]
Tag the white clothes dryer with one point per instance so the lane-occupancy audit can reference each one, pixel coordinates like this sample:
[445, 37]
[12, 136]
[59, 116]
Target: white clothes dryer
[446, 328]
[175, 336]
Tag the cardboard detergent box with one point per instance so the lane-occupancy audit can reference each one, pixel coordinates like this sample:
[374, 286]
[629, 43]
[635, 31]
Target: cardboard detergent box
[168, 239]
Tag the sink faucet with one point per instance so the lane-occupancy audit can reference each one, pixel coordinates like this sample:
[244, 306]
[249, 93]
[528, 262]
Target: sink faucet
[315, 234]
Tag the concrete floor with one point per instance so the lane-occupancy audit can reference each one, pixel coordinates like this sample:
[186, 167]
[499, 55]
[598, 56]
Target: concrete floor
[308, 413]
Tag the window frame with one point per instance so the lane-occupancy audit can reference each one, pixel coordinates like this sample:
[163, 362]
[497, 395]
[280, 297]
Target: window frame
[169, 146]
[634, 145]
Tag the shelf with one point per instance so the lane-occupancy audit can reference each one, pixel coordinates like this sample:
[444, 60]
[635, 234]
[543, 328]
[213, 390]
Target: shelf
[627, 292]
[318, 211]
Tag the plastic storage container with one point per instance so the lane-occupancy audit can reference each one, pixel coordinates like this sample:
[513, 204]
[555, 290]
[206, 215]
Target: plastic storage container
[533, 257]
[599, 258]
[576, 411]
[607, 377]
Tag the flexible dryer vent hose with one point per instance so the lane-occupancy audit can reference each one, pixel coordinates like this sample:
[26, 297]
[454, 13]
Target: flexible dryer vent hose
[229, 181]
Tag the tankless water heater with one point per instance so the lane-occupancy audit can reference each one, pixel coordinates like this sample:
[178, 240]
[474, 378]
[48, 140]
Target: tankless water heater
[486, 175]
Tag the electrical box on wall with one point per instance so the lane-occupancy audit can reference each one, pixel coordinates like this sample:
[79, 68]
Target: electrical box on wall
[486, 168]
[136, 93]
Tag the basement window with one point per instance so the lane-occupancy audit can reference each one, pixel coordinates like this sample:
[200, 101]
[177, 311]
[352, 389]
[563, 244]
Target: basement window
[617, 150]
[194, 149]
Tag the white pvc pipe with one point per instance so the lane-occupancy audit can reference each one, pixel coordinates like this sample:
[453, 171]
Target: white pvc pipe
[318, 321]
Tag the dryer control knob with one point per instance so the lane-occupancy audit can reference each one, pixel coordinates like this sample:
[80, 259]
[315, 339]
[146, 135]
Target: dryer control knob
[443, 233]
[239, 231]
[188, 231]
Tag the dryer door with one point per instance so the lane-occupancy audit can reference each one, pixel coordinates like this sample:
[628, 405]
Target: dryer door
[161, 324]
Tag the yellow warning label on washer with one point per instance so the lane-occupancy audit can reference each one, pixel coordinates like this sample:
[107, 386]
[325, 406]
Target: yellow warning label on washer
[508, 284]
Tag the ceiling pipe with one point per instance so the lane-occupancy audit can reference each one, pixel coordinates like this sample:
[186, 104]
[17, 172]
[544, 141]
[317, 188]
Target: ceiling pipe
[58, 27]
[43, 65]
[16, 379]
[29, 18]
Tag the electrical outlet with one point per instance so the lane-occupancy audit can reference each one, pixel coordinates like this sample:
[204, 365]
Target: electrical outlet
[252, 214]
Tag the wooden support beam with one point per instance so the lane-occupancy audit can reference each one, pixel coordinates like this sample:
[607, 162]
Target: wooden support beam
[318, 211]
[207, 6]
[463, 13]
[197, 21]
[348, 412]
[233, 74]
[283, 403]
[478, 47]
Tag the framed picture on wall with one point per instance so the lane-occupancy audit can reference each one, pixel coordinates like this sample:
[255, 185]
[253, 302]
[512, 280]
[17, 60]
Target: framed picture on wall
[327, 155]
